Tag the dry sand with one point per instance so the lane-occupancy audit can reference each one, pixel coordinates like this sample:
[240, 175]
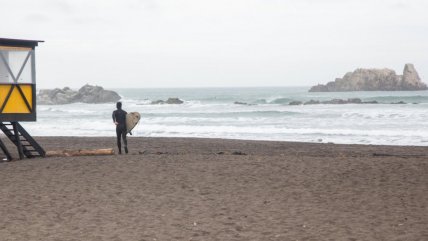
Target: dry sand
[205, 189]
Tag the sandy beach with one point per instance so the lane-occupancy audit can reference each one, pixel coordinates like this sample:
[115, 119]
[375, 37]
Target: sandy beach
[214, 189]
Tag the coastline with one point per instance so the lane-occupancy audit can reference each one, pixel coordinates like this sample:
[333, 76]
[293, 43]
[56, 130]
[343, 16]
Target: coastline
[196, 145]
[216, 189]
[208, 146]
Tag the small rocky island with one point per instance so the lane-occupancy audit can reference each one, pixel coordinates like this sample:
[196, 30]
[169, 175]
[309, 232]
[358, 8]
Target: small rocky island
[170, 101]
[375, 80]
[87, 94]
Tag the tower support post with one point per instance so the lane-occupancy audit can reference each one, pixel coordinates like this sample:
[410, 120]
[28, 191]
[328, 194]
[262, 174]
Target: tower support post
[18, 140]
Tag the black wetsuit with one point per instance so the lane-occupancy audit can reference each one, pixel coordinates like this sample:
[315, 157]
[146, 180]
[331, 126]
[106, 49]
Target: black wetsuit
[119, 116]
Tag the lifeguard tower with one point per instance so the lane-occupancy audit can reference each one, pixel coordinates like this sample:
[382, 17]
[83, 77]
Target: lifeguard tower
[18, 95]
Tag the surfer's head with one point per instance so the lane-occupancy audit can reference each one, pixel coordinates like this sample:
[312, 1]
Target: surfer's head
[119, 105]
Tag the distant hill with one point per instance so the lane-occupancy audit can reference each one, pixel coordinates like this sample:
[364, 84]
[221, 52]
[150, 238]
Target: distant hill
[374, 80]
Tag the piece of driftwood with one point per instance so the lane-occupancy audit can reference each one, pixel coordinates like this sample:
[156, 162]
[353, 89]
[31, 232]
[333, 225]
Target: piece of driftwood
[94, 152]
[397, 155]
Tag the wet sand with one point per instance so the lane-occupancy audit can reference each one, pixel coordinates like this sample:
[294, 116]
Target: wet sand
[214, 189]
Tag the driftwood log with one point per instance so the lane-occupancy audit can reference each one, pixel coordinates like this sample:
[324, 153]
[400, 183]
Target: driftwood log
[95, 152]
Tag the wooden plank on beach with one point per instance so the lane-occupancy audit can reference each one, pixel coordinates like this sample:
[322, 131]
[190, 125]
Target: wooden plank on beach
[93, 152]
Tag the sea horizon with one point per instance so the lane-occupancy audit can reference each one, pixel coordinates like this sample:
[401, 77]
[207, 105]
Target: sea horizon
[250, 113]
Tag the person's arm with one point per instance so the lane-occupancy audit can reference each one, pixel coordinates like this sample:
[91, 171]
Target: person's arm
[114, 117]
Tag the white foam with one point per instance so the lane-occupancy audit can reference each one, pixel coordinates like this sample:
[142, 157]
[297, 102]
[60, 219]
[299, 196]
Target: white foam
[358, 124]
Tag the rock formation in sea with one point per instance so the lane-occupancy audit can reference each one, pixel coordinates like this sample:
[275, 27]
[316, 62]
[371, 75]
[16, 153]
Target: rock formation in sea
[171, 101]
[375, 80]
[87, 94]
[335, 102]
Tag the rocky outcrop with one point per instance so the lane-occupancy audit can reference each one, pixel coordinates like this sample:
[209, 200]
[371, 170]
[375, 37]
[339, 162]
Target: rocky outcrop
[56, 96]
[87, 94]
[341, 102]
[375, 80]
[336, 102]
[171, 101]
[96, 94]
[242, 103]
[295, 103]
[312, 102]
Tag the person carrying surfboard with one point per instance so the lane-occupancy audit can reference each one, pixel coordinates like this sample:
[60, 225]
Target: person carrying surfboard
[119, 119]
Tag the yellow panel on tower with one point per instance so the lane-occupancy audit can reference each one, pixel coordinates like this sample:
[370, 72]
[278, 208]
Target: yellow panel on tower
[17, 102]
[27, 91]
[4, 90]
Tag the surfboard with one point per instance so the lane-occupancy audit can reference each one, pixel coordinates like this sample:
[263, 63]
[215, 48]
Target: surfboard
[132, 120]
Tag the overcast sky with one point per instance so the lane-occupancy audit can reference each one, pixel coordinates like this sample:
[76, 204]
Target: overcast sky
[201, 43]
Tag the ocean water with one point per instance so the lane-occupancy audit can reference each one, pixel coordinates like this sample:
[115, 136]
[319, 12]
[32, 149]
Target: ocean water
[211, 113]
